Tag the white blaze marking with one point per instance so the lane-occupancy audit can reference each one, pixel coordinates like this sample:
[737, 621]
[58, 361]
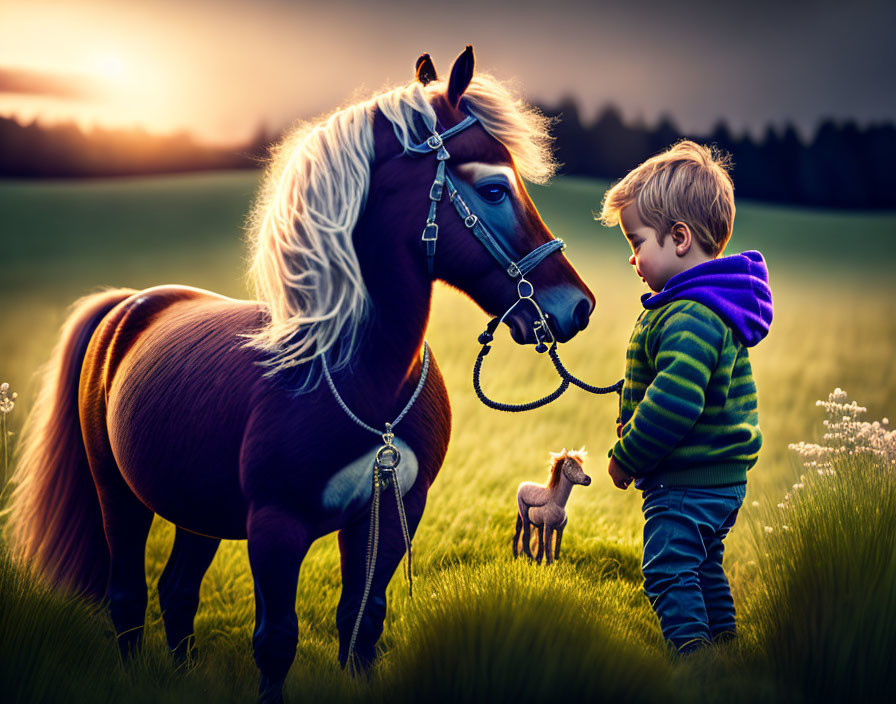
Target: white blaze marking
[475, 171]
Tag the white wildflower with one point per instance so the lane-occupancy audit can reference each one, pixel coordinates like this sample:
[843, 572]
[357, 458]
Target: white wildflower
[846, 436]
[769, 529]
[755, 503]
[7, 400]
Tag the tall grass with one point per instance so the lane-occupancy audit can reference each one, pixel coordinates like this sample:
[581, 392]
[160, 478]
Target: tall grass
[510, 632]
[813, 600]
[825, 607]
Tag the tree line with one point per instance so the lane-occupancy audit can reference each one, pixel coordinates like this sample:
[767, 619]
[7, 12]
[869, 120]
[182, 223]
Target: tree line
[66, 151]
[841, 166]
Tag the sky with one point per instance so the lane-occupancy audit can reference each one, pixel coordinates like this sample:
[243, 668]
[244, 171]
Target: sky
[220, 69]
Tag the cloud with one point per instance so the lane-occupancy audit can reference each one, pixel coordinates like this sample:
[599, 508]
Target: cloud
[25, 82]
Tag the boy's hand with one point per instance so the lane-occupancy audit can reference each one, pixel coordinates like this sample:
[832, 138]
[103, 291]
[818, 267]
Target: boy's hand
[620, 478]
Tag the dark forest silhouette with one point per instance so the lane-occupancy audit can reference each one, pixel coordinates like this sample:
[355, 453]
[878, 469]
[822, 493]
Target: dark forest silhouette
[842, 166]
[66, 151]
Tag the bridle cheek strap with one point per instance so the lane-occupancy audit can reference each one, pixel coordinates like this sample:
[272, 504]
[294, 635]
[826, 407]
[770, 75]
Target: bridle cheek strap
[514, 269]
[481, 233]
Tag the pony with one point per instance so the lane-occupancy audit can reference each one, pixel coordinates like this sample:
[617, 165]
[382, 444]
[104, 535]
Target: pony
[210, 411]
[545, 506]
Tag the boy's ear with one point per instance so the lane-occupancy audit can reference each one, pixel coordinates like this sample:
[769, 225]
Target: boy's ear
[681, 238]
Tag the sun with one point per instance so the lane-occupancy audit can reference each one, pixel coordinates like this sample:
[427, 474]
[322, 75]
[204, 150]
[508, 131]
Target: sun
[109, 66]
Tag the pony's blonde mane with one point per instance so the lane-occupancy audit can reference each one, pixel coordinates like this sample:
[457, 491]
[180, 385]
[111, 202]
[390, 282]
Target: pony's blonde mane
[303, 264]
[557, 462]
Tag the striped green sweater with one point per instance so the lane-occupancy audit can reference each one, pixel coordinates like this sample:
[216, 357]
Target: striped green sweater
[688, 404]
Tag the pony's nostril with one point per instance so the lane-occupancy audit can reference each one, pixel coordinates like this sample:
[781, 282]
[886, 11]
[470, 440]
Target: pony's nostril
[582, 314]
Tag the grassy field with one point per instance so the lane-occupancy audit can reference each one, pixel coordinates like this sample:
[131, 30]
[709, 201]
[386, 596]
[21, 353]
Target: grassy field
[480, 626]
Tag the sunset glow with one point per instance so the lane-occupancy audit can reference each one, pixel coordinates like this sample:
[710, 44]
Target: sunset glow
[110, 66]
[221, 69]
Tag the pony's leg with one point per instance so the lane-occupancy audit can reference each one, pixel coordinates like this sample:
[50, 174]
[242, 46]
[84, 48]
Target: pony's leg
[126, 522]
[559, 538]
[527, 535]
[390, 551]
[522, 520]
[548, 543]
[278, 542]
[516, 538]
[540, 543]
[179, 588]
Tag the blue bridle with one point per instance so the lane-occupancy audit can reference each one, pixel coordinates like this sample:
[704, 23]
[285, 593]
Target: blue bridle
[436, 143]
[514, 268]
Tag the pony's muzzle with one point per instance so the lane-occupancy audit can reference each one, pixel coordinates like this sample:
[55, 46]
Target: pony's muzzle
[582, 314]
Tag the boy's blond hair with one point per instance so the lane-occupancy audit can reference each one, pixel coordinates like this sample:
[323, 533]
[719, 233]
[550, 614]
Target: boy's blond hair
[687, 183]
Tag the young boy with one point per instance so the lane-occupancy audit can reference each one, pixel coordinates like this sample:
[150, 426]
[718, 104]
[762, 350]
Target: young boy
[689, 427]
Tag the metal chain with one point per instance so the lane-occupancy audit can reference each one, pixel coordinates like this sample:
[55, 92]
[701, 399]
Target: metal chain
[373, 534]
[403, 519]
[373, 539]
[407, 407]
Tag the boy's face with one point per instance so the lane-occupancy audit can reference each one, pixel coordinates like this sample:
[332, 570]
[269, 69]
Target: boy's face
[655, 263]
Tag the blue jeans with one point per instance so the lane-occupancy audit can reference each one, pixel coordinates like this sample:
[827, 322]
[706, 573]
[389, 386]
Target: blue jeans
[683, 577]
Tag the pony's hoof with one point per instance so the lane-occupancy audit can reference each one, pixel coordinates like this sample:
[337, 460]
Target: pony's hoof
[270, 691]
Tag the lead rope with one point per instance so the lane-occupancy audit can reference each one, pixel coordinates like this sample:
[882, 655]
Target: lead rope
[385, 463]
[566, 377]
[564, 372]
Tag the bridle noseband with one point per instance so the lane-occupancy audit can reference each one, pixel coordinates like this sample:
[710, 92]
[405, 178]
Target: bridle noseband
[516, 270]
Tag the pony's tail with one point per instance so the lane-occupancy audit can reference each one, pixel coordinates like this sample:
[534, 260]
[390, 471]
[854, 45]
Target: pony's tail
[55, 522]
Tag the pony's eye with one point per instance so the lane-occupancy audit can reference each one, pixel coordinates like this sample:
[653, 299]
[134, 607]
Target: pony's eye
[493, 192]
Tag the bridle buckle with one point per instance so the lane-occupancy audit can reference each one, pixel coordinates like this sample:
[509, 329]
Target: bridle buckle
[471, 220]
[430, 232]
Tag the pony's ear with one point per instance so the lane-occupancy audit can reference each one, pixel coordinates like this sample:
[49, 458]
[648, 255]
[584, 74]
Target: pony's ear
[461, 75]
[426, 70]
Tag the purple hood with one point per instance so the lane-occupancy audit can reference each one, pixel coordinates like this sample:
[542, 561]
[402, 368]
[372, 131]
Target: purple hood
[734, 287]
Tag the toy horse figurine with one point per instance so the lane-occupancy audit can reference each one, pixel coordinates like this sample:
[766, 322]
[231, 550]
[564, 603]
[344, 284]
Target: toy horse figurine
[211, 411]
[544, 506]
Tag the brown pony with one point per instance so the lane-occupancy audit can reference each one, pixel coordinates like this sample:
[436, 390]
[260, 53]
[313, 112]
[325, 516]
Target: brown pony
[210, 411]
